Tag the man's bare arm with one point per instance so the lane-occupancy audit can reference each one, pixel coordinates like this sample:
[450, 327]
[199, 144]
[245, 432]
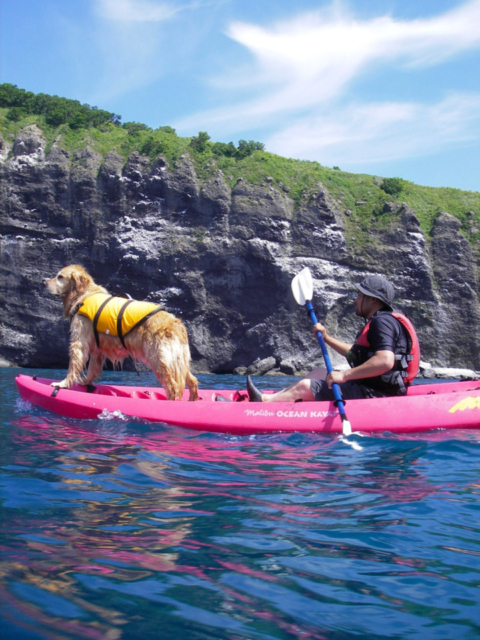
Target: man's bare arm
[377, 365]
[340, 347]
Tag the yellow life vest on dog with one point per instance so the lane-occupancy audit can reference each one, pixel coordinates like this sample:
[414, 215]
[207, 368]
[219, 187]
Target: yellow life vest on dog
[115, 316]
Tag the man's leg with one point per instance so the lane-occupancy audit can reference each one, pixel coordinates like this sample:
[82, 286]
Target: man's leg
[301, 390]
[319, 373]
[350, 391]
[310, 389]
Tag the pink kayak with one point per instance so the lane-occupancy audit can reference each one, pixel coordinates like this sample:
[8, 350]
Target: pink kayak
[449, 405]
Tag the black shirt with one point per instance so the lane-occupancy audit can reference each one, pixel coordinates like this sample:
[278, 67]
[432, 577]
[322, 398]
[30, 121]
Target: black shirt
[385, 333]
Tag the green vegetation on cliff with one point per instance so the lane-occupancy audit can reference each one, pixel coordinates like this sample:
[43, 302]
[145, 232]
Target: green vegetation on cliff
[54, 110]
[362, 198]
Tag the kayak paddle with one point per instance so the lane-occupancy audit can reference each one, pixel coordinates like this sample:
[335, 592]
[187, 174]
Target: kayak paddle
[302, 288]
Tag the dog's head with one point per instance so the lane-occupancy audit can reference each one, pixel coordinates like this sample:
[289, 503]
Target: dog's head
[69, 280]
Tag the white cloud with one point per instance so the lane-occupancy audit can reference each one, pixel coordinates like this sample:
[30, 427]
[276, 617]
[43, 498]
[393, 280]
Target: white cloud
[146, 10]
[377, 132]
[309, 60]
[137, 41]
[135, 10]
[304, 69]
[127, 59]
[127, 37]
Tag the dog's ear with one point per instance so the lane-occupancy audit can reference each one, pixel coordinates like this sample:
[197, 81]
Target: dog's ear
[80, 281]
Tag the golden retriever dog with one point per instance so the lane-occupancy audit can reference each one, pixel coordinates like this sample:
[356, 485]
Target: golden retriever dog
[159, 340]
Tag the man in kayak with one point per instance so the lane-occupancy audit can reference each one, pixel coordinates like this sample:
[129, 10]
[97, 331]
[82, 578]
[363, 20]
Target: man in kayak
[384, 358]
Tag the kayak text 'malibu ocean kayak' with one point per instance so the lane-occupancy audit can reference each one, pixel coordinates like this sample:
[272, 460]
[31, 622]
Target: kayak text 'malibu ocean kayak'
[448, 405]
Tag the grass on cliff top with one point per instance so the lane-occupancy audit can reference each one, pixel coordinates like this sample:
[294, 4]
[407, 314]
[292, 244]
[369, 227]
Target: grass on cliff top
[359, 194]
[103, 140]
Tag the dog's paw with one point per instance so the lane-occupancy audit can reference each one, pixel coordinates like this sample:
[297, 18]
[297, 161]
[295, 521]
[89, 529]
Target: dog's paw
[64, 384]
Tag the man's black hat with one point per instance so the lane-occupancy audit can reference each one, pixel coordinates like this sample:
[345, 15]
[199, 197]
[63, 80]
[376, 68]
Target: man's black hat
[378, 287]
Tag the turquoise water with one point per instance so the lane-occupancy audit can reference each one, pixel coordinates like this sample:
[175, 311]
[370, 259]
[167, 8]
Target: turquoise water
[116, 529]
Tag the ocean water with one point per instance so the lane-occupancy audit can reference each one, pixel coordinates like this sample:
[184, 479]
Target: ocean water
[117, 529]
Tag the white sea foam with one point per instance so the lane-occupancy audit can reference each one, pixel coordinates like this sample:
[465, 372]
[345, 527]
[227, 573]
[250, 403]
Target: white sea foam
[112, 415]
[23, 406]
[351, 443]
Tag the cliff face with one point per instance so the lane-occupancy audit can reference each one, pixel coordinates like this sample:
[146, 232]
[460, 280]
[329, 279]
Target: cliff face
[222, 259]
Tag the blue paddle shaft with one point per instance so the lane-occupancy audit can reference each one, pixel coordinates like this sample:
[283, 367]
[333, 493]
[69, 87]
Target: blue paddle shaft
[336, 389]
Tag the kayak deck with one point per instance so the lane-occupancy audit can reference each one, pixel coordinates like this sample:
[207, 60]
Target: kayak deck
[449, 405]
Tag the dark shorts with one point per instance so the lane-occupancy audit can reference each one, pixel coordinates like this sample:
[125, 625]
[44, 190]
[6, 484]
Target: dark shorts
[350, 391]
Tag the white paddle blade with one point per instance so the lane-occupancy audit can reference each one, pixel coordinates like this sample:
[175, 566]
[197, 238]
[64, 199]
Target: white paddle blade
[302, 286]
[346, 428]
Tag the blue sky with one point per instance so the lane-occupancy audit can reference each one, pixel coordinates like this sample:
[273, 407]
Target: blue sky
[385, 87]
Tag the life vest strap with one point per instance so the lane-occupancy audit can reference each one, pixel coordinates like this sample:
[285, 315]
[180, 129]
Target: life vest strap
[119, 322]
[108, 314]
[76, 309]
[96, 318]
[146, 317]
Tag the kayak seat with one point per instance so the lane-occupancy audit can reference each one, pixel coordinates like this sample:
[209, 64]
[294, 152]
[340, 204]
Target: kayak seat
[239, 396]
[140, 394]
[106, 392]
[153, 395]
[158, 396]
[220, 398]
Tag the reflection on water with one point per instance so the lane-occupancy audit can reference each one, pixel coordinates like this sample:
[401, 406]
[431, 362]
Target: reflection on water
[120, 529]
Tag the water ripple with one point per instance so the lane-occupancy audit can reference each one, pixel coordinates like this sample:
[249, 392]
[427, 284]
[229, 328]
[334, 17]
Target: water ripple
[118, 529]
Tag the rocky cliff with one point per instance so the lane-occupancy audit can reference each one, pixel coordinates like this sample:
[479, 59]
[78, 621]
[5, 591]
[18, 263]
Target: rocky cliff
[221, 258]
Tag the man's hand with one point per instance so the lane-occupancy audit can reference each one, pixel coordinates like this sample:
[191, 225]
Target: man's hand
[339, 346]
[377, 365]
[335, 377]
[319, 327]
